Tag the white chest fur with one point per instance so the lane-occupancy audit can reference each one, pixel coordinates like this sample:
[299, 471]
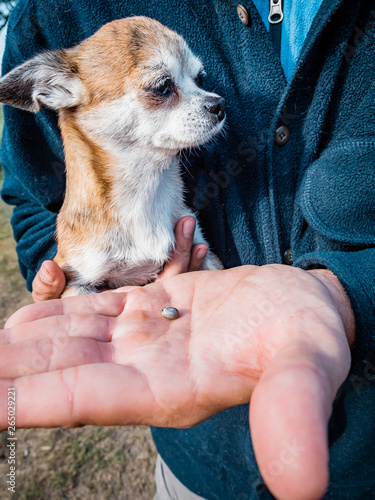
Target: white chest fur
[147, 201]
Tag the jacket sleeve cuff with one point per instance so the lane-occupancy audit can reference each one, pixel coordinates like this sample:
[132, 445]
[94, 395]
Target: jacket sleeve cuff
[33, 229]
[356, 273]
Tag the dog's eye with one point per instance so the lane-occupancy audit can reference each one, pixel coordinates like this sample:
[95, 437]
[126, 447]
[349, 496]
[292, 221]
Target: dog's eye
[164, 88]
[199, 80]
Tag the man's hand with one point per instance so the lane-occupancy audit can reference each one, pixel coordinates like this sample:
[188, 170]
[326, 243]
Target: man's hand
[275, 334]
[49, 283]
[185, 257]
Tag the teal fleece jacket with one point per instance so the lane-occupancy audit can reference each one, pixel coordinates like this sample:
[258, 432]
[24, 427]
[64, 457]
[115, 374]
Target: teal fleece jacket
[314, 195]
[298, 18]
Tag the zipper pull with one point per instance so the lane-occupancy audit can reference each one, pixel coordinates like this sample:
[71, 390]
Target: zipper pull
[276, 12]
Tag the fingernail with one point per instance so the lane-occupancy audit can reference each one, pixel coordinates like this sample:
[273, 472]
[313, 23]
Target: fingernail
[188, 228]
[201, 253]
[45, 276]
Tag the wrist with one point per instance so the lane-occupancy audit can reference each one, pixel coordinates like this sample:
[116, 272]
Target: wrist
[340, 299]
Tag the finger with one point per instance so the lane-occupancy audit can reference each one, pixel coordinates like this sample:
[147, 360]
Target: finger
[289, 413]
[138, 324]
[51, 354]
[122, 289]
[49, 282]
[106, 304]
[197, 257]
[58, 328]
[75, 396]
[180, 259]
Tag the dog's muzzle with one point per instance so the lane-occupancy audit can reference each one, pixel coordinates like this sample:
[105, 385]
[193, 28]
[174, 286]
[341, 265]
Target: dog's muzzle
[216, 107]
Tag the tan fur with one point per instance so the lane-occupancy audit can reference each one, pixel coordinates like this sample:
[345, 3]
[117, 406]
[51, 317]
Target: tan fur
[86, 212]
[117, 56]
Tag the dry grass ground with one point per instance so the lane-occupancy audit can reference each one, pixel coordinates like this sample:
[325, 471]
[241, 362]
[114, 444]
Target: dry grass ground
[52, 464]
[93, 463]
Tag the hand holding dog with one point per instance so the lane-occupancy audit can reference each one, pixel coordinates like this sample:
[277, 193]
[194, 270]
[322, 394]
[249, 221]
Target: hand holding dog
[49, 283]
[275, 334]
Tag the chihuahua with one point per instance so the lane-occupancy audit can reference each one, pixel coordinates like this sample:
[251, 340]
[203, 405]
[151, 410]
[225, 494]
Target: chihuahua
[128, 100]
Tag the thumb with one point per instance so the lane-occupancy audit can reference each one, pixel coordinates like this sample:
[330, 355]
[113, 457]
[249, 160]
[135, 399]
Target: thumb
[49, 282]
[289, 412]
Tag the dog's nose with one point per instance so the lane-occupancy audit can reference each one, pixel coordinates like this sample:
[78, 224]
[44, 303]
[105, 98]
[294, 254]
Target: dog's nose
[216, 106]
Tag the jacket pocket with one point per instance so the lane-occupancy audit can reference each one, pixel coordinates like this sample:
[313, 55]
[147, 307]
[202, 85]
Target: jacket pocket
[338, 192]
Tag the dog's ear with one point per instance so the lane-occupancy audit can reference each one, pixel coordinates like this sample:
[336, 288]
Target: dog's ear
[49, 78]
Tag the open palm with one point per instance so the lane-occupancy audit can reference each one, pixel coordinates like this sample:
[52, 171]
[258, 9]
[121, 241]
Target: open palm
[273, 334]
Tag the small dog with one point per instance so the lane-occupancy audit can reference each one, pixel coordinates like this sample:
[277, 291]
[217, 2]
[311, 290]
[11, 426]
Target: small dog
[129, 99]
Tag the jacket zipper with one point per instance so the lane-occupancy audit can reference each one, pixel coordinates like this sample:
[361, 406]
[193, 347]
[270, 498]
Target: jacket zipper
[275, 18]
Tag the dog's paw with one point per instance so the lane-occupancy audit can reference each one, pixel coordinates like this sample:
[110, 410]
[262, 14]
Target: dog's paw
[211, 262]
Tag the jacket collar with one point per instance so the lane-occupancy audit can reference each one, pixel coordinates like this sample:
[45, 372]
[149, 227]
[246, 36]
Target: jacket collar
[323, 17]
